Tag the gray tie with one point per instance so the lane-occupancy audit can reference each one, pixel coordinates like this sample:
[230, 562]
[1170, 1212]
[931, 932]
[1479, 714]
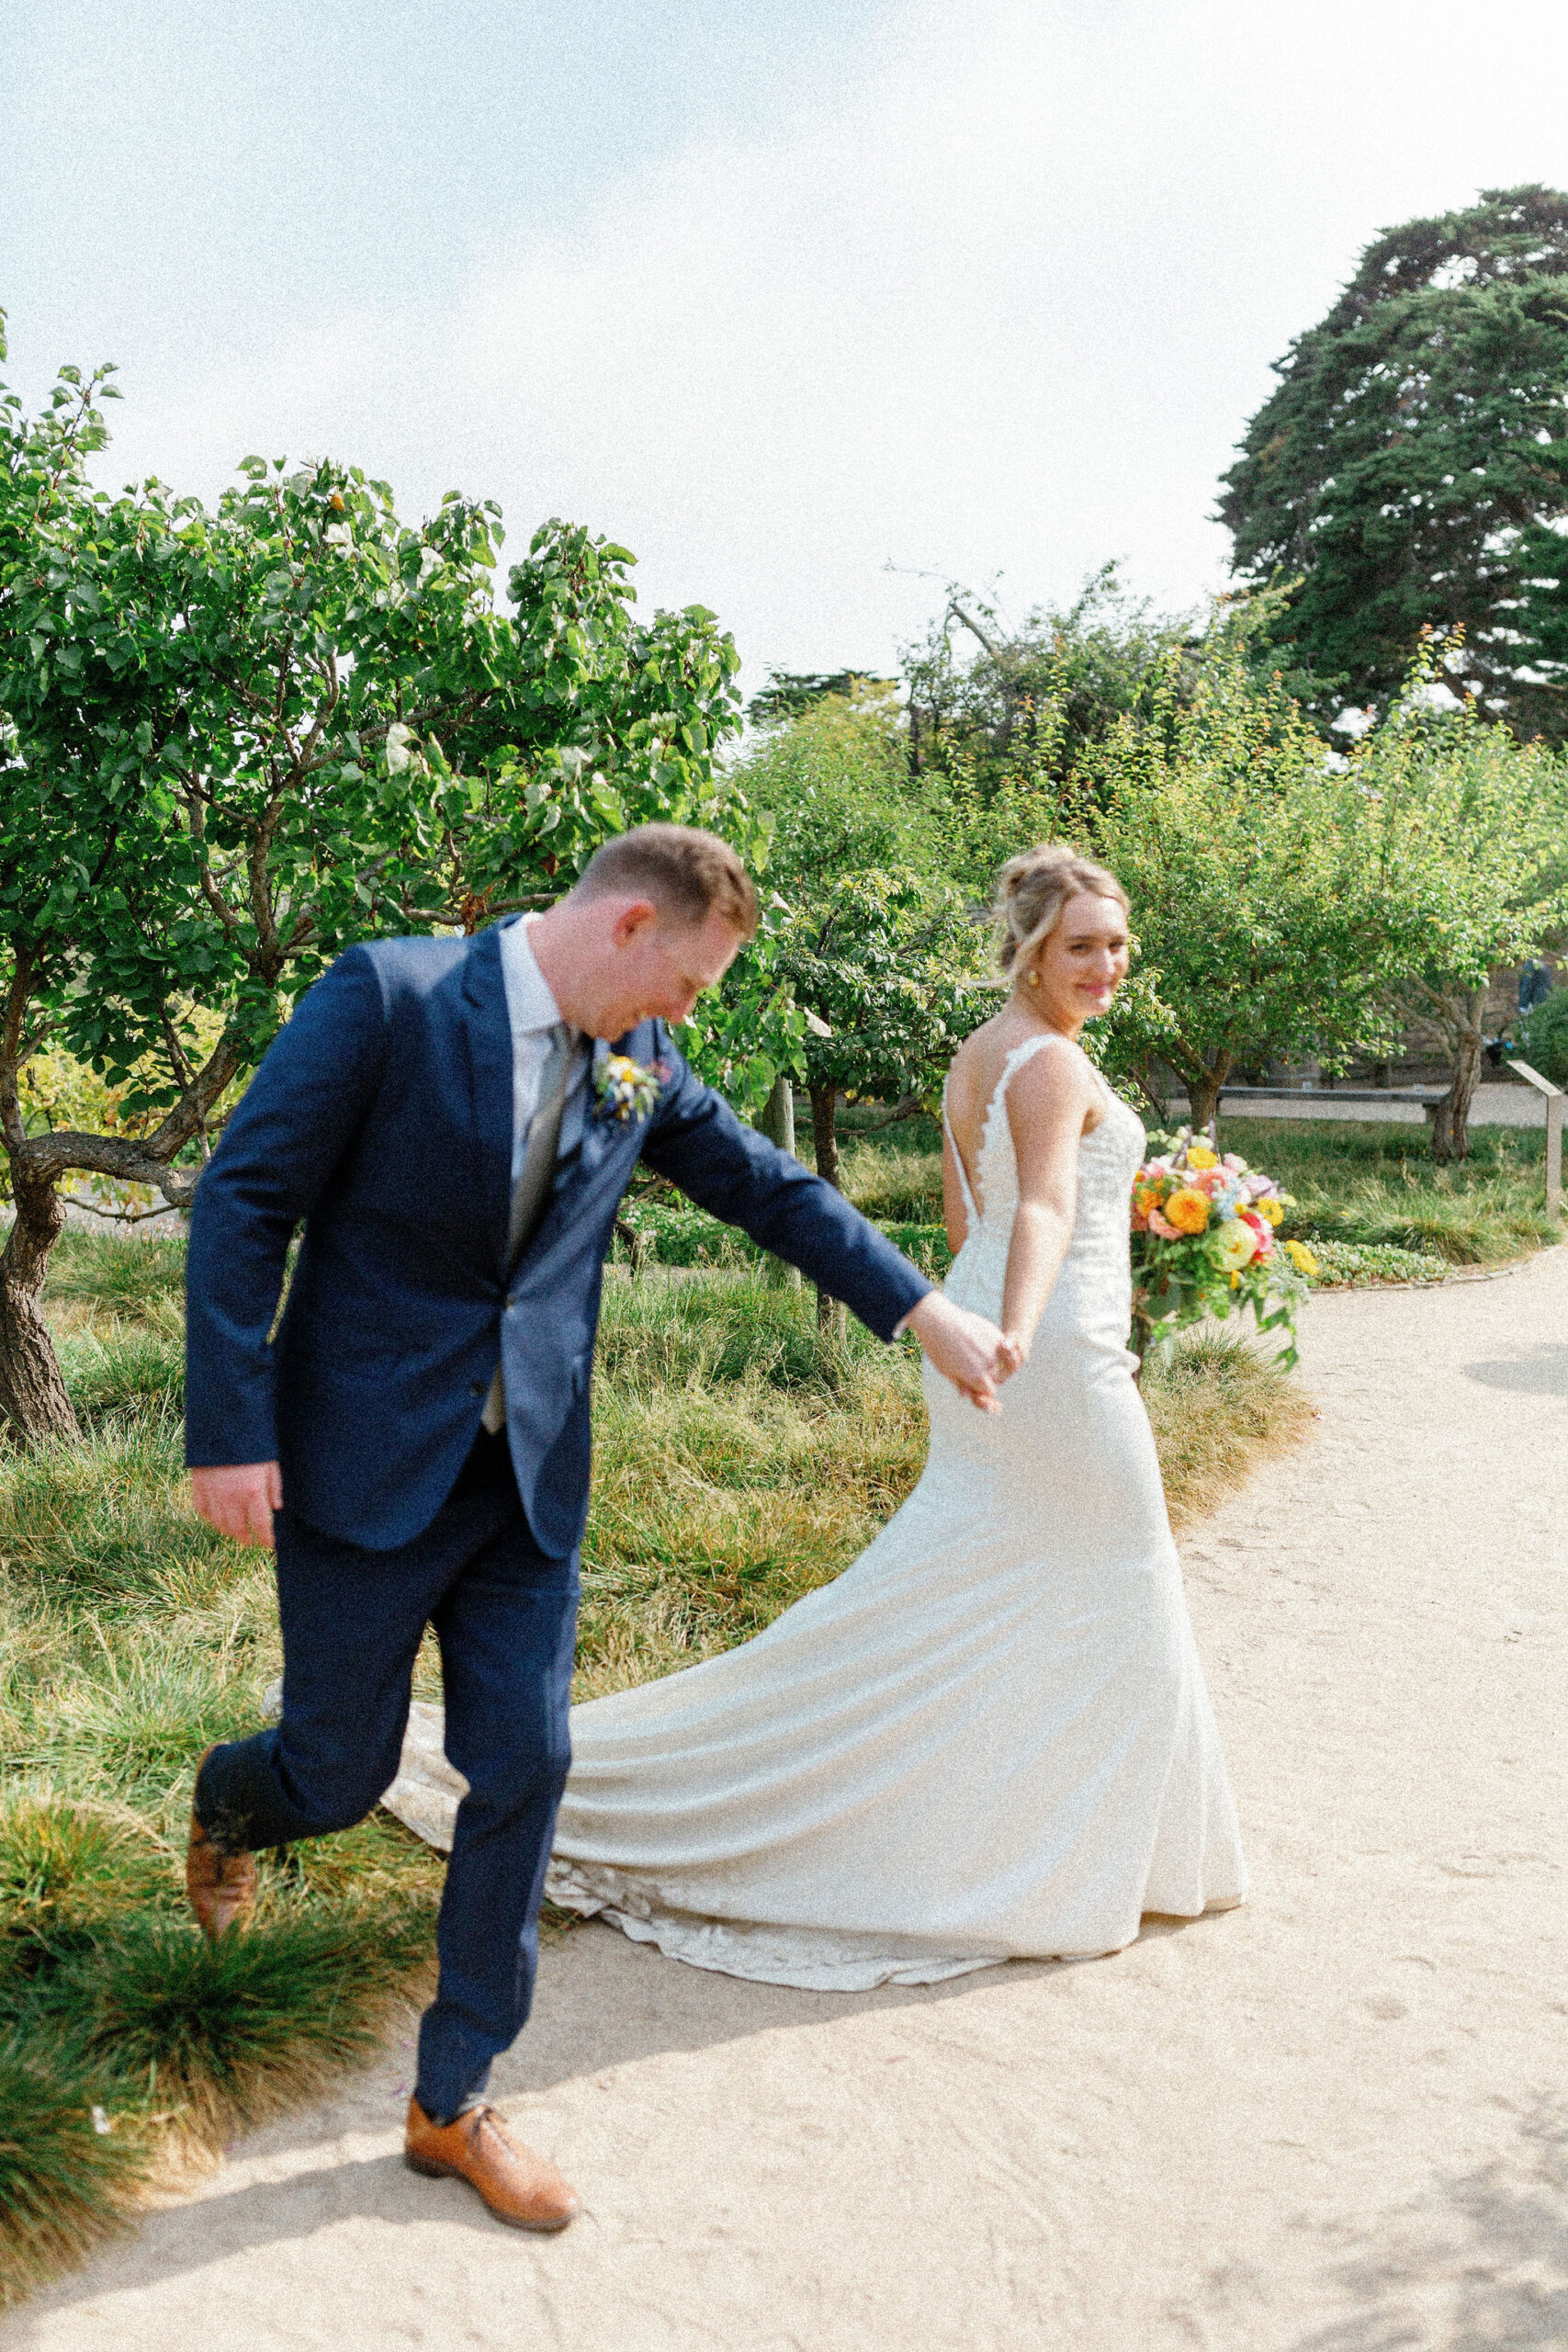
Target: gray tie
[535, 1178]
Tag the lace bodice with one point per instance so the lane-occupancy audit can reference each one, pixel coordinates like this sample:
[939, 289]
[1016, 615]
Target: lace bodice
[1093, 1291]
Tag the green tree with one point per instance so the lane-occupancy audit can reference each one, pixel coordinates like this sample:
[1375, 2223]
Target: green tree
[886, 963]
[1238, 842]
[789, 692]
[1410, 470]
[863, 925]
[1466, 834]
[834, 784]
[238, 738]
[1027, 702]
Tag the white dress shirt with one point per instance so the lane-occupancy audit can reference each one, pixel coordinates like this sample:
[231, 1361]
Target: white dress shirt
[532, 1013]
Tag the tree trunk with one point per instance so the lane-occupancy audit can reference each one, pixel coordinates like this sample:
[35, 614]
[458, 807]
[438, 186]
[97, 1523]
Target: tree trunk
[636, 1246]
[32, 1394]
[1204, 1093]
[830, 1315]
[1450, 1123]
[824, 1134]
[777, 1123]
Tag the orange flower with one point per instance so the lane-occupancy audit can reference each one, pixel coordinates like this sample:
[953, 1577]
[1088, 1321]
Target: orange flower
[1187, 1210]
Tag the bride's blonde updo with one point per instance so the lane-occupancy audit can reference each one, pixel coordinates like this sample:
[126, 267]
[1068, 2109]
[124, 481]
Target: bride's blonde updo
[1032, 891]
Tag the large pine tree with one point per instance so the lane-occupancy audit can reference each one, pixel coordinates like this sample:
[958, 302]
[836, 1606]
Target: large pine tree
[1411, 466]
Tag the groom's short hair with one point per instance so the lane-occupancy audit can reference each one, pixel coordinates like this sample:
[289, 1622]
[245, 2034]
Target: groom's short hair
[687, 874]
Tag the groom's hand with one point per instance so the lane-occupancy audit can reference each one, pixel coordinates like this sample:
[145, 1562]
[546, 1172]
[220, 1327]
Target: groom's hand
[965, 1348]
[239, 1501]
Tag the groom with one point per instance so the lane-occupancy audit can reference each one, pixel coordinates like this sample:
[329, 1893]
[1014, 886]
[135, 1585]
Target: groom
[444, 1118]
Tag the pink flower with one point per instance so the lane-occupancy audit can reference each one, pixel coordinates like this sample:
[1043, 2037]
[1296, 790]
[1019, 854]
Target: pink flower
[1263, 1228]
[1163, 1227]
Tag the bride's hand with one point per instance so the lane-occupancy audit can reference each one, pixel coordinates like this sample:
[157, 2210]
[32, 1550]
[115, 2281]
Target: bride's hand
[965, 1348]
[1012, 1354]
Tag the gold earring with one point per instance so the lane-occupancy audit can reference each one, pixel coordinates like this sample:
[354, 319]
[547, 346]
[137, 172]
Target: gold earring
[1034, 979]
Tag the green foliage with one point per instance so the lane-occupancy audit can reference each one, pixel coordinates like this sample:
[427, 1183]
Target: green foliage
[1465, 866]
[872, 944]
[227, 2032]
[242, 737]
[127, 1278]
[1412, 466]
[125, 1370]
[789, 693]
[1021, 707]
[1374, 1185]
[834, 786]
[1236, 842]
[891, 966]
[1542, 1038]
[1344, 1265]
[63, 2184]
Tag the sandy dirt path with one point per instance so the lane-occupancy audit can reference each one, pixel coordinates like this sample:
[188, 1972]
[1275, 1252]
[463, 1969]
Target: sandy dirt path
[1336, 2120]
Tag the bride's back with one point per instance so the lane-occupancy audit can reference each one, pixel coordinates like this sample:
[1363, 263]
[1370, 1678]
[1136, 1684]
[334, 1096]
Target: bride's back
[977, 1071]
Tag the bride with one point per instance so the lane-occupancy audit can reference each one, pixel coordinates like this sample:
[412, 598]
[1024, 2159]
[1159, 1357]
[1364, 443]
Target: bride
[989, 1738]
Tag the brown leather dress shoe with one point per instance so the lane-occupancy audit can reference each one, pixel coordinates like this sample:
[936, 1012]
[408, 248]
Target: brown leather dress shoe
[221, 1887]
[520, 2187]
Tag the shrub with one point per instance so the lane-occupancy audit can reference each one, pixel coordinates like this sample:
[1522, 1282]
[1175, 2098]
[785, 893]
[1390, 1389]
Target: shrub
[1542, 1037]
[62, 2181]
[1341, 1263]
[230, 2030]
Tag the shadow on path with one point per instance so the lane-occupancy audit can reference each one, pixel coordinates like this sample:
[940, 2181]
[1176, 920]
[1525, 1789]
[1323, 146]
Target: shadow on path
[1481, 2265]
[604, 2003]
[1541, 1370]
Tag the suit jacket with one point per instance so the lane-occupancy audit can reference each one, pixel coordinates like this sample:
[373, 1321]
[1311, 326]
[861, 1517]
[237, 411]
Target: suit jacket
[381, 1115]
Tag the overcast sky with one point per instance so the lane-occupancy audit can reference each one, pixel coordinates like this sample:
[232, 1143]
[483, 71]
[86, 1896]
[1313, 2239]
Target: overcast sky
[777, 292]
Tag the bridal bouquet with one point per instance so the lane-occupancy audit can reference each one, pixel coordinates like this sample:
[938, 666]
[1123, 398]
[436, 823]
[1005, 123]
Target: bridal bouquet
[1205, 1242]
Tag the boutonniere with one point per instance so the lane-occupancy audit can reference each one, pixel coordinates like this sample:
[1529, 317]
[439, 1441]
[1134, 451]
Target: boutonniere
[626, 1090]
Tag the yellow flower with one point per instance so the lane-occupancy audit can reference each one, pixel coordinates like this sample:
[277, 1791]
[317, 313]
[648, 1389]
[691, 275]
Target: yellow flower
[1270, 1208]
[1199, 1156]
[1301, 1256]
[1235, 1282]
[1187, 1210]
[1239, 1245]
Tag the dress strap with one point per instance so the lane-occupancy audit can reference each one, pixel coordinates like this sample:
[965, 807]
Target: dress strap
[970, 1211]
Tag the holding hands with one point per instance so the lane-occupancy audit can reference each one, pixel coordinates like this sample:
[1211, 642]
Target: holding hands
[965, 1348]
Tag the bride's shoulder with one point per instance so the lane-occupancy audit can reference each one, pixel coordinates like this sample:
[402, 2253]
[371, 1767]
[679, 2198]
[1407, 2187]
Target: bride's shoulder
[1050, 1062]
[975, 1068]
[1053, 1079]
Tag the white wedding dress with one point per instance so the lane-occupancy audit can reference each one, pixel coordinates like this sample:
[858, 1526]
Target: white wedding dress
[988, 1739]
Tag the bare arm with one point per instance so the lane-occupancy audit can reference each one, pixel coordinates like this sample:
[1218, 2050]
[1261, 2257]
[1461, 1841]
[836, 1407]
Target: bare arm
[1050, 1104]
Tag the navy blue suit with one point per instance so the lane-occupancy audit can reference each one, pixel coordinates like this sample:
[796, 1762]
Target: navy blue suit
[382, 1118]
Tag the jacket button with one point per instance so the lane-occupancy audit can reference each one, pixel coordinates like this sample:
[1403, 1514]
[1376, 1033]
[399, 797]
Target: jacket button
[476, 1387]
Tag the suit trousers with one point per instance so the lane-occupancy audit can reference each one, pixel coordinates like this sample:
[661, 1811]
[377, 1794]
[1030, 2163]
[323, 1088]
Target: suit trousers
[505, 1616]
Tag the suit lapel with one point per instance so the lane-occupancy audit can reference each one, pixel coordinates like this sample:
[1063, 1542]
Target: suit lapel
[489, 1036]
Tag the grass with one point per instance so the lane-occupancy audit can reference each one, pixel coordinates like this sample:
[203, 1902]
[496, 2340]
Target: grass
[1361, 1186]
[1377, 1185]
[744, 1457]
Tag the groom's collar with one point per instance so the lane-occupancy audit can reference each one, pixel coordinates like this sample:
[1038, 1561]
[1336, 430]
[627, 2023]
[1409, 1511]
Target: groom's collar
[530, 1001]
